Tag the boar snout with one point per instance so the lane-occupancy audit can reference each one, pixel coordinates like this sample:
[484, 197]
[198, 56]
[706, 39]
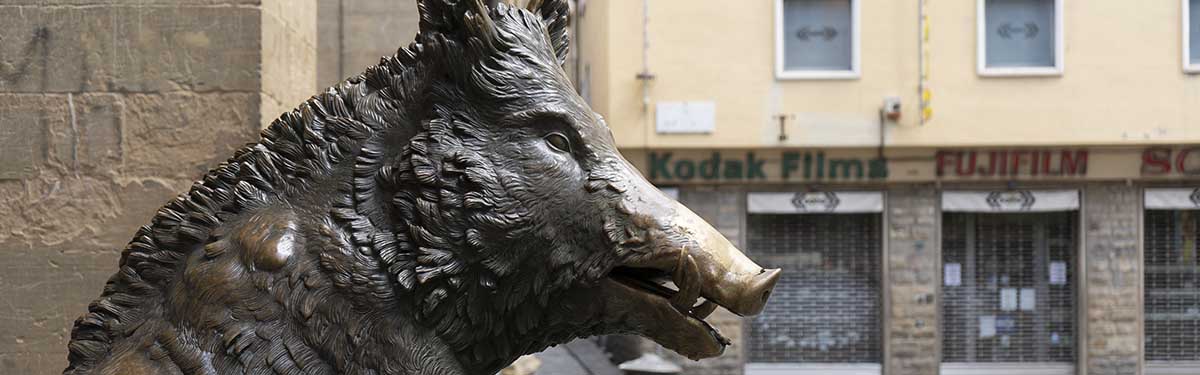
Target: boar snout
[677, 271]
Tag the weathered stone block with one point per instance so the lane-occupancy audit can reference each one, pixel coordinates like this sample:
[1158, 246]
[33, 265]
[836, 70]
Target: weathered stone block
[19, 137]
[913, 269]
[1113, 278]
[74, 133]
[62, 3]
[35, 330]
[289, 55]
[171, 135]
[128, 48]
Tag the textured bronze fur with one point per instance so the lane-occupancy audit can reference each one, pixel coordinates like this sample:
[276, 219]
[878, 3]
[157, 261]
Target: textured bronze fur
[450, 209]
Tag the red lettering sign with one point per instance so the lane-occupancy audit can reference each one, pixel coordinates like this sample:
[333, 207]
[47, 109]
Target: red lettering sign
[1011, 163]
[1159, 161]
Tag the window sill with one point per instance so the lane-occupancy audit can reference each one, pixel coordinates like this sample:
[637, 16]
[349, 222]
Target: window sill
[1021, 72]
[1191, 69]
[1172, 367]
[817, 75]
[980, 368]
[813, 369]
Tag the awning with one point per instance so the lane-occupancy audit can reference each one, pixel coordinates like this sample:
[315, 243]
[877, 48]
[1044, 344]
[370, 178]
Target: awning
[1173, 199]
[841, 202]
[1010, 201]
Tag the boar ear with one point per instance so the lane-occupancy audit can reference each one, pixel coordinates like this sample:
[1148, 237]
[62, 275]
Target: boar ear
[446, 16]
[556, 15]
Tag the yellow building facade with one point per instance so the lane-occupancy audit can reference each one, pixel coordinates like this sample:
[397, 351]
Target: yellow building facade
[955, 187]
[1122, 80]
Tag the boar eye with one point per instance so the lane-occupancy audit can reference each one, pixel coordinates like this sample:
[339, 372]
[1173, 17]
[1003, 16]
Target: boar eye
[559, 142]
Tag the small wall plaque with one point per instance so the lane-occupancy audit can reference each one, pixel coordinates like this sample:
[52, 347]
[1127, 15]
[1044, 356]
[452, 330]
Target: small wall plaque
[686, 117]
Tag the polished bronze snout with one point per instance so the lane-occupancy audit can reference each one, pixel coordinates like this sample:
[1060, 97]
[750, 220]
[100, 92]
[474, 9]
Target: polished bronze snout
[679, 270]
[725, 275]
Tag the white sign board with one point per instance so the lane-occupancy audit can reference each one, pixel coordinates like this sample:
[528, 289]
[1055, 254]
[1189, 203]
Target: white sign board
[1010, 201]
[953, 274]
[1028, 299]
[1008, 299]
[987, 326]
[686, 117]
[1058, 273]
[839, 202]
[1173, 199]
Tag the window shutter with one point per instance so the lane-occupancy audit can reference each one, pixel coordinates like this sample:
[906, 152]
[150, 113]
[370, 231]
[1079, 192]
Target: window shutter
[1008, 292]
[826, 307]
[1172, 289]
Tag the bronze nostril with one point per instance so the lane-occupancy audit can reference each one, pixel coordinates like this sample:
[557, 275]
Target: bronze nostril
[759, 292]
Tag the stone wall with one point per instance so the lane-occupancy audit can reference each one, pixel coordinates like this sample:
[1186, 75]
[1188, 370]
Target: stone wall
[913, 262]
[289, 55]
[1112, 235]
[108, 109]
[353, 35]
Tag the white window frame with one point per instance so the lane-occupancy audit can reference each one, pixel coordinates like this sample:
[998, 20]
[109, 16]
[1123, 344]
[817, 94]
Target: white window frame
[981, 47]
[1188, 66]
[855, 50]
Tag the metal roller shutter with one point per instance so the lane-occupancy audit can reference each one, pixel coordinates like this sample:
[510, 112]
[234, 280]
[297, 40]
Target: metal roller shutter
[1172, 289]
[826, 306]
[1008, 288]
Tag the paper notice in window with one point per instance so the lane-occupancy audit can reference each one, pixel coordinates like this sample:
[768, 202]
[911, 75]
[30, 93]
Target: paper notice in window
[1058, 273]
[987, 326]
[1028, 299]
[953, 274]
[1008, 299]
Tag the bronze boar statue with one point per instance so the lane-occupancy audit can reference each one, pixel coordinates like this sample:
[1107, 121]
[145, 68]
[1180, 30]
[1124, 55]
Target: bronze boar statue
[450, 209]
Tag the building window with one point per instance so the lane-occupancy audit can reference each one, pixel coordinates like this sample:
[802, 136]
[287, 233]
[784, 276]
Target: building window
[1191, 36]
[816, 39]
[1020, 37]
[1008, 294]
[1172, 289]
[824, 314]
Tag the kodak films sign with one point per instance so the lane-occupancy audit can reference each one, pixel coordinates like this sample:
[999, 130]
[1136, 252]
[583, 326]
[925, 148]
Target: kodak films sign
[751, 166]
[857, 166]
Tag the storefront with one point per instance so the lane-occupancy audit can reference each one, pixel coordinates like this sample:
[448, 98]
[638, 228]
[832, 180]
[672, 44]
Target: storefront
[1172, 280]
[1007, 249]
[829, 245]
[1008, 286]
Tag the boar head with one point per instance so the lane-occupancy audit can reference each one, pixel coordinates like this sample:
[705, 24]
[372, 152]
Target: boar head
[520, 225]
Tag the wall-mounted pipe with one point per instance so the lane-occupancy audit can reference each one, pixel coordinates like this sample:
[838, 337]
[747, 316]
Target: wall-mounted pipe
[645, 76]
[924, 109]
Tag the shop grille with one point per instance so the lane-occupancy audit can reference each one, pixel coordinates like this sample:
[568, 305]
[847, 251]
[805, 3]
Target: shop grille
[1172, 289]
[1008, 290]
[825, 308]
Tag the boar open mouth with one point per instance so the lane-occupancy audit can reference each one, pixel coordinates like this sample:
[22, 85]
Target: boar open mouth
[662, 284]
[680, 308]
[671, 307]
[668, 290]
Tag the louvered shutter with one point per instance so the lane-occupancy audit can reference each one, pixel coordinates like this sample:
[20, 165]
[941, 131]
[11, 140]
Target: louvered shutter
[1008, 294]
[1172, 290]
[826, 307]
